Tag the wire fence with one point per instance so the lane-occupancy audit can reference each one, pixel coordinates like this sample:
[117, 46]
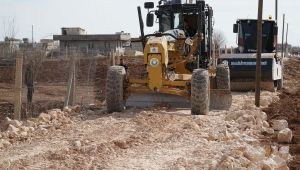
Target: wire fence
[72, 78]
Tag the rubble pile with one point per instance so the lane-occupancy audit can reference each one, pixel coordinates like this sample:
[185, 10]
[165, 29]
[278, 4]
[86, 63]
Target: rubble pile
[254, 121]
[14, 130]
[247, 125]
[249, 157]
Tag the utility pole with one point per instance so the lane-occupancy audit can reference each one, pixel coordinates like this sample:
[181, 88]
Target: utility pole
[276, 19]
[282, 43]
[286, 39]
[259, 50]
[276, 10]
[32, 37]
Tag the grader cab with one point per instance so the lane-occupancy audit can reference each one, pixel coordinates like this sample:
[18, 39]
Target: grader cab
[179, 69]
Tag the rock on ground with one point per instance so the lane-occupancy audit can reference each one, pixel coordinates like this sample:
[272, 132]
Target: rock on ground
[279, 125]
[285, 136]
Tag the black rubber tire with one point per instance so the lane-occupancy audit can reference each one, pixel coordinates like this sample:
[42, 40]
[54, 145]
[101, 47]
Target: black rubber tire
[115, 89]
[279, 84]
[200, 92]
[223, 76]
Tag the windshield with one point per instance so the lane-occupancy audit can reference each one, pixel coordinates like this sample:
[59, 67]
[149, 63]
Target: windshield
[247, 36]
[177, 20]
[169, 21]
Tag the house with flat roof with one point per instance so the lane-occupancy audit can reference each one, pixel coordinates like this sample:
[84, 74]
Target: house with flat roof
[76, 39]
[8, 46]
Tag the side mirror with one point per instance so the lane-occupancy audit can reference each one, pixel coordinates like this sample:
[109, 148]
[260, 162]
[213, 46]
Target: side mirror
[150, 20]
[275, 30]
[235, 28]
[149, 5]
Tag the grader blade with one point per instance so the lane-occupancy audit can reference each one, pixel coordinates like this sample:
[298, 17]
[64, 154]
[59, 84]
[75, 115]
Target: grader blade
[220, 99]
[157, 99]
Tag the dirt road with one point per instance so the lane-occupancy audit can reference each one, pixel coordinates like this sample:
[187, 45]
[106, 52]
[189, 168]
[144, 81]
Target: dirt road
[156, 138]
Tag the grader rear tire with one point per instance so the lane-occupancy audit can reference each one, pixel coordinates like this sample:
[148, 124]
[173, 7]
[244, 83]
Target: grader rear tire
[115, 89]
[279, 84]
[223, 76]
[200, 92]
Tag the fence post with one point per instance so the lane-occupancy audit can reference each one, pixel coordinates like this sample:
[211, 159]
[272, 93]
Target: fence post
[18, 87]
[70, 98]
[112, 58]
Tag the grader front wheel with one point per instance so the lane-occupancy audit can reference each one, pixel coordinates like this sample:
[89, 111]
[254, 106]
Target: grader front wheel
[200, 92]
[115, 89]
[223, 76]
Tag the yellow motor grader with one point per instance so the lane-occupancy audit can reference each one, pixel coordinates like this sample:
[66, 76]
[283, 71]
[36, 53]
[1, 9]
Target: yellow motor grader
[179, 69]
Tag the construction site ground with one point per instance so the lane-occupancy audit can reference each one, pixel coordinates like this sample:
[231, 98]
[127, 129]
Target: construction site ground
[87, 137]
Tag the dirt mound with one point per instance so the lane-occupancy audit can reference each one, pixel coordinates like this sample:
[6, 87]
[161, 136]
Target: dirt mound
[288, 107]
[54, 71]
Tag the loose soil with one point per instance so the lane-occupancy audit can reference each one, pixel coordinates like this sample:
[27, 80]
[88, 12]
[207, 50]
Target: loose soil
[288, 107]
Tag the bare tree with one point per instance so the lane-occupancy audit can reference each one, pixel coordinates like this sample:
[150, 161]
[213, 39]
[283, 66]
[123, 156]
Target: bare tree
[9, 31]
[9, 28]
[219, 39]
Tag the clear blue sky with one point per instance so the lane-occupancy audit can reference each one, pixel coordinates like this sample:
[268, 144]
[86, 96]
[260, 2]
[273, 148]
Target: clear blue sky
[100, 17]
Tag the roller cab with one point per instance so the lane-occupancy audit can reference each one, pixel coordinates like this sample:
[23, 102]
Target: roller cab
[243, 63]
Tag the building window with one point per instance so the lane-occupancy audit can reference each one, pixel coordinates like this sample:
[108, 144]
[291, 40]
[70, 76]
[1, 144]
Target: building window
[64, 32]
[91, 46]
